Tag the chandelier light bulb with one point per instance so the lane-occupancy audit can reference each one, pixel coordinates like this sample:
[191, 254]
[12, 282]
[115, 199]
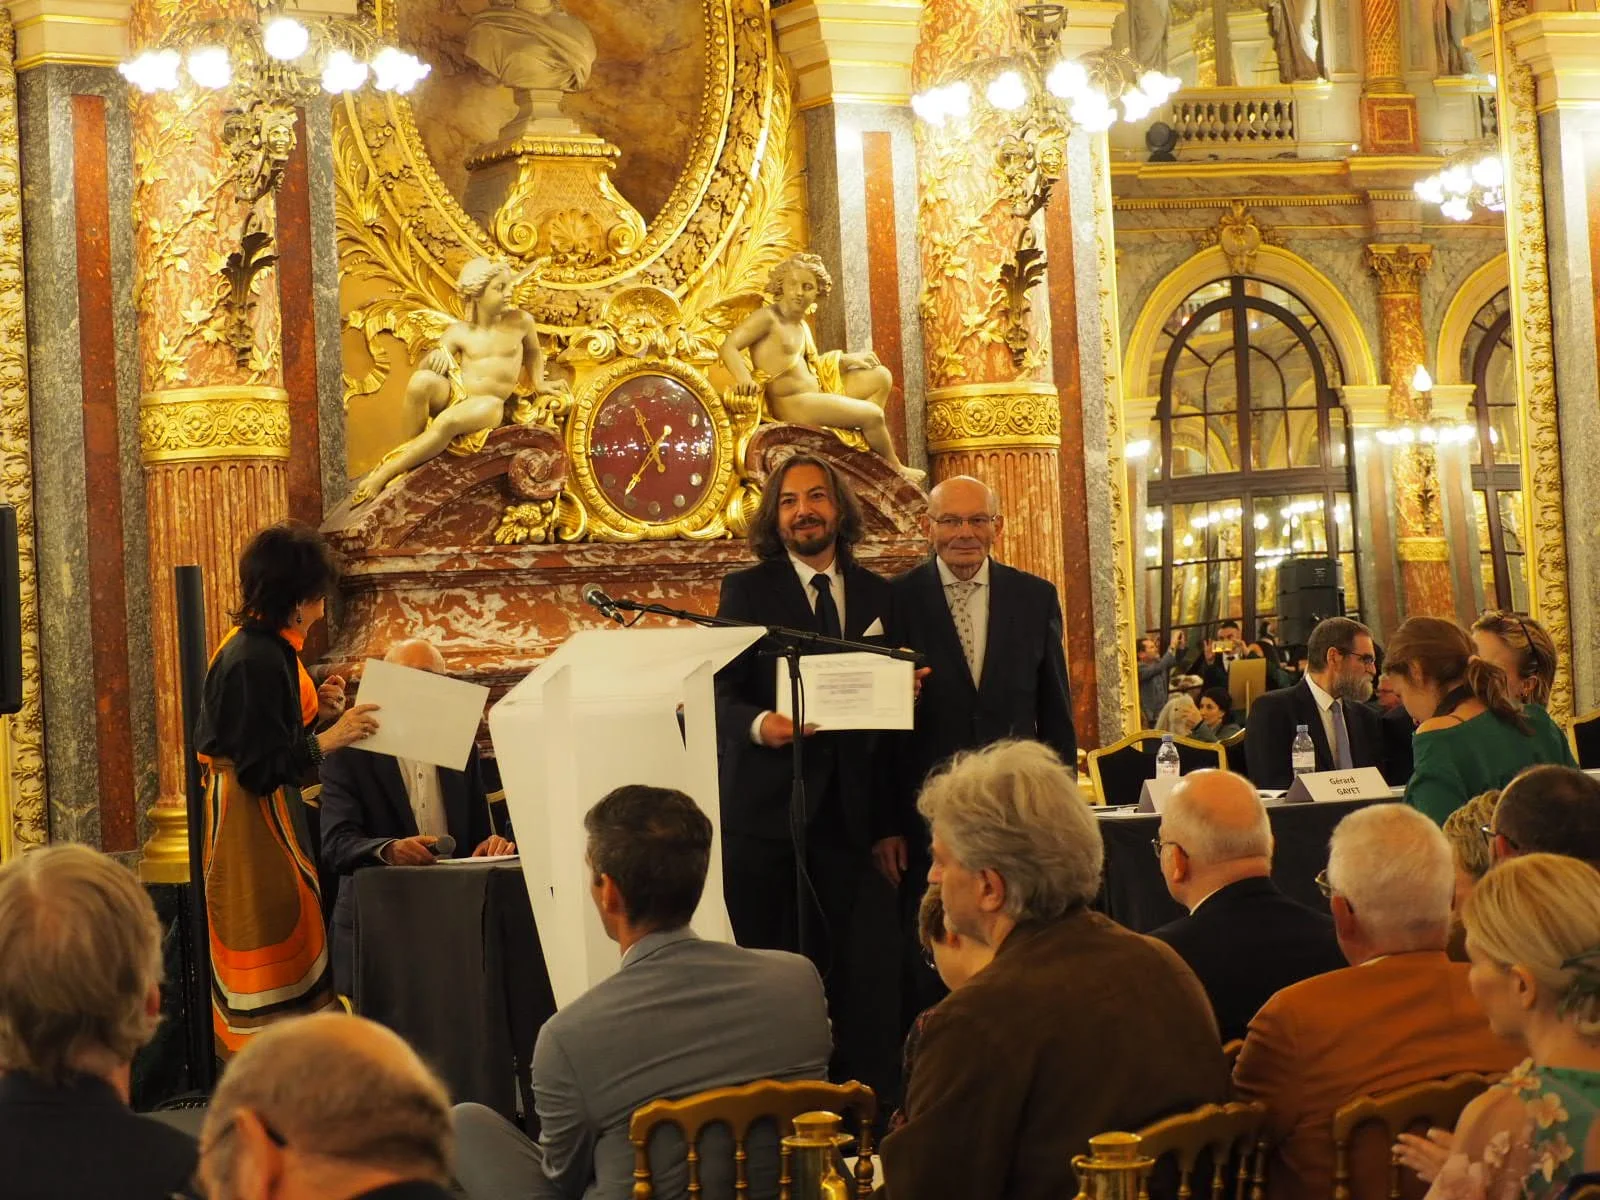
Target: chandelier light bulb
[1067, 80]
[396, 71]
[209, 67]
[1008, 92]
[1489, 172]
[1457, 208]
[153, 71]
[285, 39]
[1093, 112]
[342, 73]
[1159, 87]
[926, 106]
[1421, 381]
[1429, 190]
[1457, 180]
[1137, 106]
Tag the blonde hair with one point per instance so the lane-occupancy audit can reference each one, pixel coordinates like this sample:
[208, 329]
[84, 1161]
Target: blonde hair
[80, 949]
[1541, 912]
[341, 1088]
[1014, 808]
[1463, 829]
[1442, 652]
[1533, 646]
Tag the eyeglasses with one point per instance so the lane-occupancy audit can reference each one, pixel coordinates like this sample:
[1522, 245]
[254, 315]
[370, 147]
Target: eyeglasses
[1366, 660]
[1158, 844]
[1323, 885]
[1490, 833]
[276, 1138]
[979, 523]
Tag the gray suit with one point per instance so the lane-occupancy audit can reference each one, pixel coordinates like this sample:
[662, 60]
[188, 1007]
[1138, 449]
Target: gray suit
[682, 1015]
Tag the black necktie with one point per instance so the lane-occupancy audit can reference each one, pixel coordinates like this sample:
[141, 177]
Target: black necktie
[827, 610]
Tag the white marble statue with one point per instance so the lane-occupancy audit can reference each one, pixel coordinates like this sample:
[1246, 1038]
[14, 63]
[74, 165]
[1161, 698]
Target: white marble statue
[1294, 33]
[532, 45]
[1450, 20]
[1148, 21]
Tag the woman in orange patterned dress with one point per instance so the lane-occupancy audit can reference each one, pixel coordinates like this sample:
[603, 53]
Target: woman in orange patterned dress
[256, 735]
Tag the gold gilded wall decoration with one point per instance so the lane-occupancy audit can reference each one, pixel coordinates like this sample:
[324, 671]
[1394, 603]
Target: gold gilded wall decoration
[1239, 234]
[23, 823]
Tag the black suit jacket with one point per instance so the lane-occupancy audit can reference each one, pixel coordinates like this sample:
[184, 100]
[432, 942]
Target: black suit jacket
[81, 1140]
[1246, 942]
[1398, 730]
[1023, 693]
[755, 780]
[364, 806]
[1269, 735]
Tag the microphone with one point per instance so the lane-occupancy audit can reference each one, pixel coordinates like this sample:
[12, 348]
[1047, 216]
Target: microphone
[592, 595]
[442, 846]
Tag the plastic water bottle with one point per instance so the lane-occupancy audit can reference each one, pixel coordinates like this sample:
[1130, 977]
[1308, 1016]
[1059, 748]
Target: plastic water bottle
[1304, 755]
[1167, 760]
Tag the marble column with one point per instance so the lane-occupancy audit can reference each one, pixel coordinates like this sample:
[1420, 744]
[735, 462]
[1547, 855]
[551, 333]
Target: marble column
[851, 62]
[213, 422]
[1388, 111]
[1419, 515]
[1547, 71]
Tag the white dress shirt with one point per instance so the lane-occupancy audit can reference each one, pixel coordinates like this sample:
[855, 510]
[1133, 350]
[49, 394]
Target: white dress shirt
[807, 573]
[1325, 704]
[977, 608]
[427, 798]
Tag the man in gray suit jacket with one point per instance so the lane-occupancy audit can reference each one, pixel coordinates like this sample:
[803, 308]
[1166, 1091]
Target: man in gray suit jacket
[682, 1015]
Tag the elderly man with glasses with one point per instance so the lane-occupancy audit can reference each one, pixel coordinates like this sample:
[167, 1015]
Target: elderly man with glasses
[1547, 810]
[1400, 1013]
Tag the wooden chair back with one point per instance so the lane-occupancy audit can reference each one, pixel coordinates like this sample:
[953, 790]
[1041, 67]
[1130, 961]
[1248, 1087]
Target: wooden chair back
[1435, 1102]
[1227, 1137]
[1584, 734]
[740, 1109]
[1118, 771]
[1233, 754]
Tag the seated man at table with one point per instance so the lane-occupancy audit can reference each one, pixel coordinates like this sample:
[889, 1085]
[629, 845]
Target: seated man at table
[680, 1016]
[1400, 1013]
[1078, 1026]
[1548, 810]
[381, 810]
[1243, 937]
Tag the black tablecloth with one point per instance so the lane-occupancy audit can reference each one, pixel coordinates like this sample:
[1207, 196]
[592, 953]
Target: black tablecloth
[449, 958]
[1135, 895]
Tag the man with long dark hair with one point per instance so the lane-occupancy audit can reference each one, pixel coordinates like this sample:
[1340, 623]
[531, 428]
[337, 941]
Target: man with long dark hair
[804, 534]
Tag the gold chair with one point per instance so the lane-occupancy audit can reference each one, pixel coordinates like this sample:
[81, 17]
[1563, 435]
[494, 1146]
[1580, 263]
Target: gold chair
[1227, 1134]
[1437, 1102]
[1118, 771]
[1230, 1052]
[1584, 737]
[740, 1108]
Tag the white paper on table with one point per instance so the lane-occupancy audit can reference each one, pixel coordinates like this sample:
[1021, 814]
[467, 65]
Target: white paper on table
[422, 716]
[854, 690]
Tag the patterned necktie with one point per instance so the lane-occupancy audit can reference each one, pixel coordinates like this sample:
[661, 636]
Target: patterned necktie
[1341, 739]
[961, 611]
[827, 610]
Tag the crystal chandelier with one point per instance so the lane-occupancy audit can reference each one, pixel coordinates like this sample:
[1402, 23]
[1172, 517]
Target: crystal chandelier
[1470, 179]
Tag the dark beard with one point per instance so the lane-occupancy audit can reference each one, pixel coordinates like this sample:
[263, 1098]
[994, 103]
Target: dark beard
[810, 541]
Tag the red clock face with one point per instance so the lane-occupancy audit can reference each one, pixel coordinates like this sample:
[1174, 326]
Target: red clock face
[652, 449]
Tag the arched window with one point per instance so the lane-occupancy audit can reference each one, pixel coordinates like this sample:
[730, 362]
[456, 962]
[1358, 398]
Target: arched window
[1488, 359]
[1252, 465]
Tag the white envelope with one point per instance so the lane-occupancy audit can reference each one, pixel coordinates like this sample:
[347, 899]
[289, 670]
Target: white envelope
[422, 716]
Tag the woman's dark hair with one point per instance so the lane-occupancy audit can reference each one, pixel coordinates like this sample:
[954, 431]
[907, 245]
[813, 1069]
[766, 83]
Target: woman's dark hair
[283, 566]
[655, 843]
[1221, 697]
[764, 536]
[1443, 654]
[1531, 643]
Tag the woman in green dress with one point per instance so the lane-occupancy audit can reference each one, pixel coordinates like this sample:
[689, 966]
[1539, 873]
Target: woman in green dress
[1524, 650]
[1473, 733]
[1533, 936]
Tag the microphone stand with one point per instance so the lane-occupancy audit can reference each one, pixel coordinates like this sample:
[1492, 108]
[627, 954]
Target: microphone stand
[791, 645]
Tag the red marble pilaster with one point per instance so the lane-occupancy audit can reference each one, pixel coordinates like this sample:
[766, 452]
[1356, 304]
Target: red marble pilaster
[883, 273]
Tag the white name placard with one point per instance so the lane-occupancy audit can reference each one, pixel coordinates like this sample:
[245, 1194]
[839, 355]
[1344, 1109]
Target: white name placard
[1359, 783]
[1153, 796]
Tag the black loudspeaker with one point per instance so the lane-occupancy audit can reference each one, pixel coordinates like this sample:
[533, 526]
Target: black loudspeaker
[1309, 590]
[10, 614]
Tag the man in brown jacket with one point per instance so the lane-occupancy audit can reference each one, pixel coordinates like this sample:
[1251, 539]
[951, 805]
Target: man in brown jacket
[1077, 1027]
[1400, 1014]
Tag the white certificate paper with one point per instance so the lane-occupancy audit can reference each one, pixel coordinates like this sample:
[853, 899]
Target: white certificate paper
[854, 690]
[421, 716]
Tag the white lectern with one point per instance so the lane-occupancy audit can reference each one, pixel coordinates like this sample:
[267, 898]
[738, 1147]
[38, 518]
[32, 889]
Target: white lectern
[600, 712]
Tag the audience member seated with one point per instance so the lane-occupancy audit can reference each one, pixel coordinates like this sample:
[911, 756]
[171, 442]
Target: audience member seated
[1548, 810]
[1533, 930]
[955, 958]
[381, 810]
[1523, 649]
[1180, 715]
[681, 1016]
[1076, 1027]
[1468, 830]
[1330, 702]
[1472, 735]
[1155, 669]
[1215, 724]
[1243, 937]
[1400, 1013]
[327, 1107]
[80, 993]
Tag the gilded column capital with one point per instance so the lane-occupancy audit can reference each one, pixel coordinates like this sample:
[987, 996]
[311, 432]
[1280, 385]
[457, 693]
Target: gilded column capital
[80, 32]
[223, 421]
[1399, 267]
[986, 416]
[1563, 52]
[856, 51]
